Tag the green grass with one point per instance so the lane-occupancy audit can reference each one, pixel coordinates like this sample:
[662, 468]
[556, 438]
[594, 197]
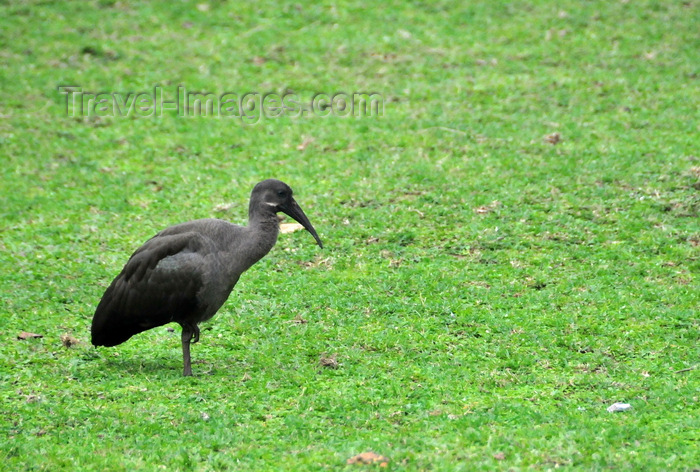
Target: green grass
[487, 294]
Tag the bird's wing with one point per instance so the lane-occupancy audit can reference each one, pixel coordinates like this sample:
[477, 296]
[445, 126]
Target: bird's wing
[158, 284]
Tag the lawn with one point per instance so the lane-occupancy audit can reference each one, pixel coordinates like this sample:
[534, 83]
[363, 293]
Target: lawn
[511, 234]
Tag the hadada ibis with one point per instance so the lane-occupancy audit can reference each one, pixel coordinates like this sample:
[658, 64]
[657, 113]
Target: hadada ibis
[186, 272]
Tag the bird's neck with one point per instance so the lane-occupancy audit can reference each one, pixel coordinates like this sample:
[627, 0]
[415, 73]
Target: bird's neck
[263, 220]
[263, 225]
[262, 229]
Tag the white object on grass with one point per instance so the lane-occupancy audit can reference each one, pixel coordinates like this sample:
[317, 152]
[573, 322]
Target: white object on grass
[619, 407]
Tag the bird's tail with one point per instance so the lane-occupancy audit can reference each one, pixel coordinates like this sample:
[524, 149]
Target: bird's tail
[111, 329]
[112, 325]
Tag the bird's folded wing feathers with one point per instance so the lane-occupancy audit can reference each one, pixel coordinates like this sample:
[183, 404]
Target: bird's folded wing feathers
[146, 294]
[158, 248]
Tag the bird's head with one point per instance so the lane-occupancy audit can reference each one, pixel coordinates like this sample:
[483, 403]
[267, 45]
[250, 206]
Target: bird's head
[277, 196]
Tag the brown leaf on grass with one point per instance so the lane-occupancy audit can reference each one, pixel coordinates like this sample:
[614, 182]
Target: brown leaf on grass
[395, 263]
[331, 362]
[258, 60]
[553, 138]
[299, 320]
[483, 209]
[25, 335]
[484, 62]
[683, 281]
[155, 186]
[499, 456]
[384, 57]
[290, 227]
[223, 207]
[68, 341]
[369, 458]
[305, 143]
[317, 262]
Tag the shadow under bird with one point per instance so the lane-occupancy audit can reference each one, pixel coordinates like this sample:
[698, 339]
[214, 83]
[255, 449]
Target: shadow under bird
[186, 272]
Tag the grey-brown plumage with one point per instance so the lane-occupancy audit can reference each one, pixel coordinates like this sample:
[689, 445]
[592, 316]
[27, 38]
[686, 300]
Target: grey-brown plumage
[186, 272]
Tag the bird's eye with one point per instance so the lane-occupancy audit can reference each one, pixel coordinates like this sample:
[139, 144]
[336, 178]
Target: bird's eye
[281, 193]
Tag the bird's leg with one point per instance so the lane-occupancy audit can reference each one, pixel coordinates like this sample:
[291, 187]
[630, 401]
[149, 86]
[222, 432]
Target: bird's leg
[188, 332]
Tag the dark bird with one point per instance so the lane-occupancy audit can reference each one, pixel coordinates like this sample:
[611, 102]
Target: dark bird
[186, 272]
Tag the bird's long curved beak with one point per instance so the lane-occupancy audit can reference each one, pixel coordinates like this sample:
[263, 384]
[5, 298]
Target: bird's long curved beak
[295, 211]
